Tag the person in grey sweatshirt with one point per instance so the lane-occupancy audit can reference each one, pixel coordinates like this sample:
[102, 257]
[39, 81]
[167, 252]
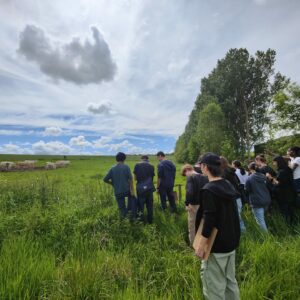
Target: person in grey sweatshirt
[259, 196]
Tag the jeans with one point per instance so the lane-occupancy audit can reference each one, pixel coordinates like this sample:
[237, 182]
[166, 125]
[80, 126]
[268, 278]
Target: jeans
[259, 214]
[131, 206]
[240, 206]
[164, 193]
[146, 198]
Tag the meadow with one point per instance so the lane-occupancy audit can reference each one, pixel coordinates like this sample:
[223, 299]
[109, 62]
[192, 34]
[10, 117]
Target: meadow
[61, 238]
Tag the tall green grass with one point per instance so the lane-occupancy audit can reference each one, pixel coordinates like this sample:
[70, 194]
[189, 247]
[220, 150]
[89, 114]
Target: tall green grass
[61, 238]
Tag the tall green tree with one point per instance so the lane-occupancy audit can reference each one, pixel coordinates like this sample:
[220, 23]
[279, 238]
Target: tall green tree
[286, 109]
[211, 131]
[243, 86]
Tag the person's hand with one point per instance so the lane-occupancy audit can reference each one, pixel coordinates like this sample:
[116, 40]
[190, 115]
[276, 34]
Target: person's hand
[200, 252]
[190, 208]
[269, 176]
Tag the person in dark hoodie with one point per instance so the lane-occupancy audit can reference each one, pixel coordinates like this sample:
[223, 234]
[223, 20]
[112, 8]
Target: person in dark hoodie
[229, 174]
[283, 188]
[143, 174]
[259, 196]
[166, 172]
[194, 183]
[218, 210]
[262, 167]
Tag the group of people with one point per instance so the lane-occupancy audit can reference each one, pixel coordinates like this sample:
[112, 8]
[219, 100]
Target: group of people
[215, 195]
[120, 177]
[261, 187]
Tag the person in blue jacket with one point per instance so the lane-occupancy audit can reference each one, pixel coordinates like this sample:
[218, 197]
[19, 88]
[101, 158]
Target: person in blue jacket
[120, 177]
[259, 196]
[166, 172]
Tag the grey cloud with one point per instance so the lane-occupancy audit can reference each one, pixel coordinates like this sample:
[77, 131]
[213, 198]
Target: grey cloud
[100, 108]
[80, 63]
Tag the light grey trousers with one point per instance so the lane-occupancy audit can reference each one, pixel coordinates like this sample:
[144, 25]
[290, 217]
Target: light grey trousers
[218, 277]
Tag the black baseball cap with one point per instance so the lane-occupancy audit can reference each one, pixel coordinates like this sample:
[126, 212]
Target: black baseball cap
[210, 159]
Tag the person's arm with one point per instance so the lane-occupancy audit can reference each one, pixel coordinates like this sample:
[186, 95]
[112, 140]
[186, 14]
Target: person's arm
[134, 172]
[153, 172]
[188, 190]
[209, 221]
[282, 179]
[160, 171]
[248, 186]
[209, 213]
[108, 177]
[130, 180]
[158, 184]
[132, 193]
[174, 173]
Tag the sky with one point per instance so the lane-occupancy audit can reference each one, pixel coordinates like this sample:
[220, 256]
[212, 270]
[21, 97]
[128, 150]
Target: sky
[97, 77]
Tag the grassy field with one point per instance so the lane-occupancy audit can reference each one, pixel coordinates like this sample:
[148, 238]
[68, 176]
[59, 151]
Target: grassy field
[61, 238]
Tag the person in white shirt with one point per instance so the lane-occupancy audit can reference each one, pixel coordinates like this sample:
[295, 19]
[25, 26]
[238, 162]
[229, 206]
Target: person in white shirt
[240, 171]
[294, 154]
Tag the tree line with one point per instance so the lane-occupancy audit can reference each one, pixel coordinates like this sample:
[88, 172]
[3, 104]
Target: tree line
[239, 101]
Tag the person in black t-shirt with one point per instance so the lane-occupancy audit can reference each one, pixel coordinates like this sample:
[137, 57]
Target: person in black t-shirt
[143, 174]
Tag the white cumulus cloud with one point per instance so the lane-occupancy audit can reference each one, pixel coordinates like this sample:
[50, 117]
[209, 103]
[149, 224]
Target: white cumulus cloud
[53, 131]
[53, 147]
[79, 141]
[13, 149]
[77, 62]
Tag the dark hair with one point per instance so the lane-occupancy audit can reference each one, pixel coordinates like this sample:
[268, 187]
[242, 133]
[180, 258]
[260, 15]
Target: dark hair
[215, 171]
[296, 150]
[120, 157]
[261, 157]
[238, 165]
[160, 153]
[145, 157]
[252, 166]
[281, 162]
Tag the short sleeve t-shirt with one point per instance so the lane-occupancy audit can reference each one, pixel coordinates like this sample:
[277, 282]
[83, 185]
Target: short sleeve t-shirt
[296, 161]
[119, 175]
